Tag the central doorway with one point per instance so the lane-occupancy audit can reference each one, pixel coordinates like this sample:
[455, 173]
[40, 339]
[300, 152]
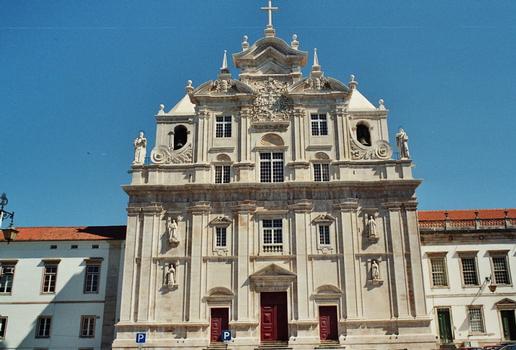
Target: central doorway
[273, 316]
[218, 323]
[508, 324]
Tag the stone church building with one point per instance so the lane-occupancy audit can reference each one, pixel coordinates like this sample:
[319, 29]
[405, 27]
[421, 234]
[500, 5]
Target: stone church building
[272, 207]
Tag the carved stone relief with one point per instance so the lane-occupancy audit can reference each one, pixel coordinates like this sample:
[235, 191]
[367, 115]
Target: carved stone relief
[166, 155]
[271, 103]
[379, 150]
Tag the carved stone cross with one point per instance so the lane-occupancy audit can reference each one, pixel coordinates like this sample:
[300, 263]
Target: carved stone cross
[269, 9]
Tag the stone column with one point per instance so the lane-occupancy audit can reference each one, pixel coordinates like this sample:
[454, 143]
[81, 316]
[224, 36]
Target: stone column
[199, 218]
[151, 215]
[348, 245]
[415, 259]
[297, 134]
[243, 236]
[398, 266]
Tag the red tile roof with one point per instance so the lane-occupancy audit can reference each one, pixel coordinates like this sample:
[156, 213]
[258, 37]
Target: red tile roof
[435, 215]
[80, 233]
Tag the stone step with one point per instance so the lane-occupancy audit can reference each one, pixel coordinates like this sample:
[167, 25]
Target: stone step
[217, 346]
[274, 346]
[327, 345]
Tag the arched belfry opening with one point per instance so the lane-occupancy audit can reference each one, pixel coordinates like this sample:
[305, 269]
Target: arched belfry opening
[363, 134]
[180, 136]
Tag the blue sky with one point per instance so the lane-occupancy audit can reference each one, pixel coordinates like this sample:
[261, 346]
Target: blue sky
[80, 78]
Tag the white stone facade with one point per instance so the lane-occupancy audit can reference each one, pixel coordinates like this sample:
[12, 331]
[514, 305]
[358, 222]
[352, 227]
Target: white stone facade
[64, 298]
[271, 177]
[463, 260]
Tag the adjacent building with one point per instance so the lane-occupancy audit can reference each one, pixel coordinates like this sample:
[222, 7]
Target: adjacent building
[59, 287]
[469, 266]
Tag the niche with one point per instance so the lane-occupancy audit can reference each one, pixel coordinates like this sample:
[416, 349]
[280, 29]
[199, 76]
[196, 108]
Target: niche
[180, 136]
[363, 135]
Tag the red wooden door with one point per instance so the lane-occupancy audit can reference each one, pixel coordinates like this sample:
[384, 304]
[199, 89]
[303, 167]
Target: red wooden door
[328, 328]
[219, 322]
[273, 318]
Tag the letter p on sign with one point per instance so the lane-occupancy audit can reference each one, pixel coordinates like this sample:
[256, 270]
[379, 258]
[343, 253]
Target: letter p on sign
[226, 336]
[140, 338]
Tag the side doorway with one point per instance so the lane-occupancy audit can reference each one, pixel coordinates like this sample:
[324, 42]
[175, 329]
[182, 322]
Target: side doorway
[219, 322]
[328, 327]
[444, 323]
[508, 324]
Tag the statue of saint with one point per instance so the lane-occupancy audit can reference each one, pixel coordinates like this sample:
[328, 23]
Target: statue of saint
[171, 276]
[402, 142]
[140, 149]
[371, 226]
[375, 271]
[173, 231]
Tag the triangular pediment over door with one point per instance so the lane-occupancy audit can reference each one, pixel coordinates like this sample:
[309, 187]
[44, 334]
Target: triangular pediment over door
[272, 278]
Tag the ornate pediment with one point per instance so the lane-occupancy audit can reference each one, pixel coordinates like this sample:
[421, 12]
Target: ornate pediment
[317, 85]
[221, 221]
[258, 57]
[506, 303]
[323, 219]
[272, 278]
[222, 86]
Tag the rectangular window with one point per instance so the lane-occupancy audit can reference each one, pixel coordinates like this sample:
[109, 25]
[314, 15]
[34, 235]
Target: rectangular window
[324, 234]
[223, 126]
[3, 327]
[88, 326]
[500, 270]
[319, 125]
[43, 327]
[6, 278]
[49, 278]
[321, 172]
[469, 271]
[476, 321]
[92, 278]
[271, 167]
[222, 174]
[439, 277]
[220, 237]
[272, 236]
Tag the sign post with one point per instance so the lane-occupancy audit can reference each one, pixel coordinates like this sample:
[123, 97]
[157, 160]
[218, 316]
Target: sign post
[141, 338]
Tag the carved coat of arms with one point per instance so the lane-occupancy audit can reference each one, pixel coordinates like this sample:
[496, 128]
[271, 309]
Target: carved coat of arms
[271, 104]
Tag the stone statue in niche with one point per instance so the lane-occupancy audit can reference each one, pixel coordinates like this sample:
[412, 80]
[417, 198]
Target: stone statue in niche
[371, 227]
[171, 276]
[375, 271]
[173, 231]
[140, 149]
[402, 142]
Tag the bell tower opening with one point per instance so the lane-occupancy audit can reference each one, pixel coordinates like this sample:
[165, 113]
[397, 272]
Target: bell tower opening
[180, 136]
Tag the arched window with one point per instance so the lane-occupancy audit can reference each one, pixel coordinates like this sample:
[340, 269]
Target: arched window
[180, 136]
[363, 135]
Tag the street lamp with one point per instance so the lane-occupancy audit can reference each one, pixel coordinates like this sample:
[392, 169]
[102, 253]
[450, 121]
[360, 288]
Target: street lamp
[10, 232]
[492, 286]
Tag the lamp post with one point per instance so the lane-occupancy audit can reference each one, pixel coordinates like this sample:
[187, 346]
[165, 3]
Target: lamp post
[10, 232]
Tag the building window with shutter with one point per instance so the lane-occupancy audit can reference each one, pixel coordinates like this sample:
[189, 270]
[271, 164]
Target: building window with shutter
[222, 174]
[43, 327]
[6, 277]
[92, 278]
[223, 126]
[500, 269]
[49, 277]
[469, 271]
[319, 124]
[439, 275]
[271, 167]
[272, 235]
[88, 326]
[476, 319]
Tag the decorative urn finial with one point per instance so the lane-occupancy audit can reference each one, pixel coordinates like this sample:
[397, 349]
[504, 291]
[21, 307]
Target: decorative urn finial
[381, 105]
[352, 82]
[189, 88]
[245, 43]
[294, 43]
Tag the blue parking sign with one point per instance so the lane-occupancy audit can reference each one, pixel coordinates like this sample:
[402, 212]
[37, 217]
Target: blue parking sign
[226, 335]
[141, 338]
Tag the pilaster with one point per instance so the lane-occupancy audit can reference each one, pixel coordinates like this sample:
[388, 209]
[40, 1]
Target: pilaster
[199, 217]
[399, 267]
[340, 135]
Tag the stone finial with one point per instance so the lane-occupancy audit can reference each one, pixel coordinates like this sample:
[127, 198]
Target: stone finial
[381, 105]
[316, 65]
[161, 109]
[294, 43]
[224, 68]
[189, 88]
[352, 82]
[269, 29]
[245, 43]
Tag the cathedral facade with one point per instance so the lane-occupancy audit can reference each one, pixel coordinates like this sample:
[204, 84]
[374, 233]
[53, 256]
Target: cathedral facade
[273, 208]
